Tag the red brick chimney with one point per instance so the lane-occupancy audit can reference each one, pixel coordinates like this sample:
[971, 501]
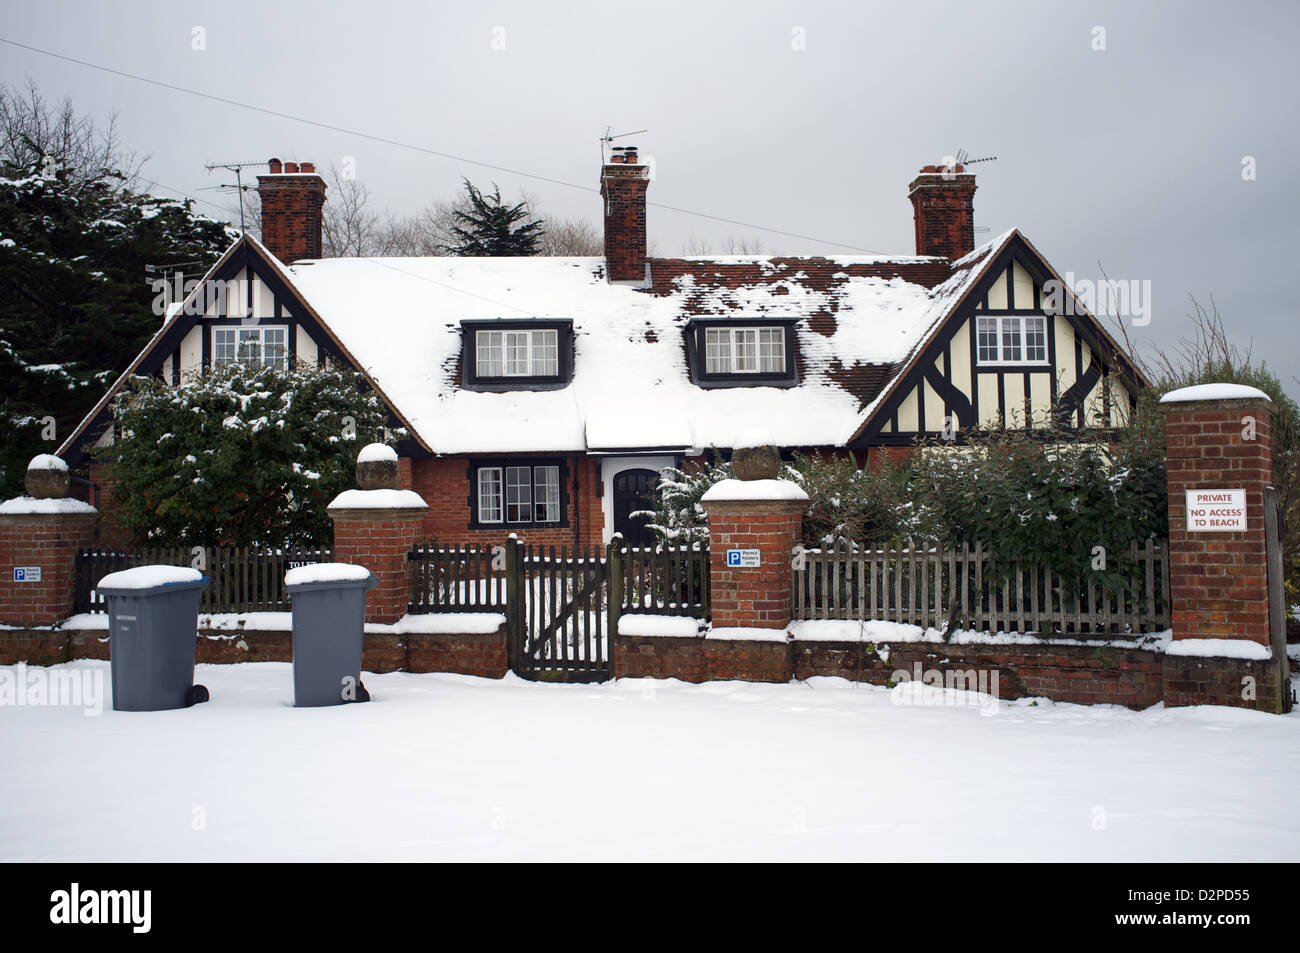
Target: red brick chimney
[292, 196]
[623, 184]
[943, 198]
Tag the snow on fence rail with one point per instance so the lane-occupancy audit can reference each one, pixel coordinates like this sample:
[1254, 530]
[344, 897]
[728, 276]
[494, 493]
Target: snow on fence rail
[958, 587]
[244, 579]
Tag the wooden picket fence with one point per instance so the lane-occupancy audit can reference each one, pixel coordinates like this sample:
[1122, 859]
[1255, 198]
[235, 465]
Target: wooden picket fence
[458, 578]
[242, 579]
[661, 580]
[666, 580]
[944, 585]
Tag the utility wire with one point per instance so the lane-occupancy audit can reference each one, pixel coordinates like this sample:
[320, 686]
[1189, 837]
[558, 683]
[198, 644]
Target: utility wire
[406, 145]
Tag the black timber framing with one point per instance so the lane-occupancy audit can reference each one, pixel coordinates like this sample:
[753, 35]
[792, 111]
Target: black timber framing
[976, 304]
[289, 310]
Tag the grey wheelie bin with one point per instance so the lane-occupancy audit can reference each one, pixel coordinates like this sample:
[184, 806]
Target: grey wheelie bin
[329, 611]
[153, 614]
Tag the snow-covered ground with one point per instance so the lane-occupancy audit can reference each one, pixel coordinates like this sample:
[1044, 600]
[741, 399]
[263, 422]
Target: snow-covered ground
[450, 767]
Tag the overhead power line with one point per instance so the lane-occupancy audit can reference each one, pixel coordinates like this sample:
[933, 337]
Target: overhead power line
[384, 140]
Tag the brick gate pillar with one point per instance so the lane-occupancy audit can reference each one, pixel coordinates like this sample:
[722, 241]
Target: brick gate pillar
[1219, 459]
[754, 524]
[39, 537]
[375, 527]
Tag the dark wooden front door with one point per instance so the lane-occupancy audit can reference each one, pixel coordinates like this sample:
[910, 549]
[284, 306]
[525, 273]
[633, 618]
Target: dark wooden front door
[633, 491]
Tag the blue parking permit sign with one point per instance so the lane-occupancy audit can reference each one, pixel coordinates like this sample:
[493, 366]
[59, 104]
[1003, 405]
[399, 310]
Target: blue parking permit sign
[27, 574]
[743, 559]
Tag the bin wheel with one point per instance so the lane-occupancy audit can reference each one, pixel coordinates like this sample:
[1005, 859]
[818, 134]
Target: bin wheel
[362, 694]
[196, 695]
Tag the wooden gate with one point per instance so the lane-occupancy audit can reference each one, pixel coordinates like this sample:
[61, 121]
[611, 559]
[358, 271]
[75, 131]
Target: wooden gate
[560, 625]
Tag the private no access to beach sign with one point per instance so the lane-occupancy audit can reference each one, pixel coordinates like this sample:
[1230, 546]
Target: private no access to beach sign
[1216, 511]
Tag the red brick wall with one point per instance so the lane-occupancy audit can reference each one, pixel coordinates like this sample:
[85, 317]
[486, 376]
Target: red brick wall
[110, 534]
[1219, 580]
[944, 214]
[701, 659]
[758, 597]
[380, 540]
[481, 655]
[623, 187]
[638, 656]
[444, 483]
[51, 542]
[291, 215]
[1080, 674]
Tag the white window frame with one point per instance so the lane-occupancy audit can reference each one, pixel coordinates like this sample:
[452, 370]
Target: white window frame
[1016, 325]
[239, 333]
[517, 352]
[491, 510]
[503, 502]
[742, 350]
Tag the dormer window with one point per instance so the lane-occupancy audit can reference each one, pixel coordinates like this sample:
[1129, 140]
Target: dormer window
[744, 350]
[730, 352]
[517, 355]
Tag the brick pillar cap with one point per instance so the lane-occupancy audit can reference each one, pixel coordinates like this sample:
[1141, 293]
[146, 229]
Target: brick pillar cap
[29, 506]
[768, 491]
[1214, 392]
[370, 502]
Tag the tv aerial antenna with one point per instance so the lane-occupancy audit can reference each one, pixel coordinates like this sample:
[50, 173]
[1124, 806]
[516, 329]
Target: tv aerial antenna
[239, 186]
[963, 159]
[607, 138]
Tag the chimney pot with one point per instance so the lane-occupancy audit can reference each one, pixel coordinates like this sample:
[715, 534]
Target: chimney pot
[276, 166]
[291, 167]
[307, 167]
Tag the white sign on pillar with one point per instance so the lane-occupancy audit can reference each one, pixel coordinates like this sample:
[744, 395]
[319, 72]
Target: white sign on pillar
[1216, 511]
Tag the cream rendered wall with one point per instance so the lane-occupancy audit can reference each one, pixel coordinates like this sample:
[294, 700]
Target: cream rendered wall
[1023, 286]
[997, 295]
[192, 351]
[307, 351]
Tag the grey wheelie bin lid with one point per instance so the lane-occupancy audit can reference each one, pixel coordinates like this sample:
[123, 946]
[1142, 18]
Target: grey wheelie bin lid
[153, 616]
[329, 608]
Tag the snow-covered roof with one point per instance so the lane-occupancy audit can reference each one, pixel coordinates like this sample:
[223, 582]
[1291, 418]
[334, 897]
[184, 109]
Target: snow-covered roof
[857, 320]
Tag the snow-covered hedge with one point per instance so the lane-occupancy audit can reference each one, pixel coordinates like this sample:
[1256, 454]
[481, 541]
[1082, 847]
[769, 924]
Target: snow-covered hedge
[240, 456]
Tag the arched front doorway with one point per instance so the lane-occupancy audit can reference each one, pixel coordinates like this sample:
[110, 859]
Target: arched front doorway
[633, 491]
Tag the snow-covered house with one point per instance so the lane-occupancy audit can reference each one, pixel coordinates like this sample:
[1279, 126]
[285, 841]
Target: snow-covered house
[543, 395]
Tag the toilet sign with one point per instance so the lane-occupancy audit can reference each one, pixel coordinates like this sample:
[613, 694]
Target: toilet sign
[1216, 511]
[27, 574]
[743, 559]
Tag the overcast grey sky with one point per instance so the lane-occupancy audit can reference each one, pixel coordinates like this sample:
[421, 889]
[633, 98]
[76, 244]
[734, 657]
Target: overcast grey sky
[807, 117]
